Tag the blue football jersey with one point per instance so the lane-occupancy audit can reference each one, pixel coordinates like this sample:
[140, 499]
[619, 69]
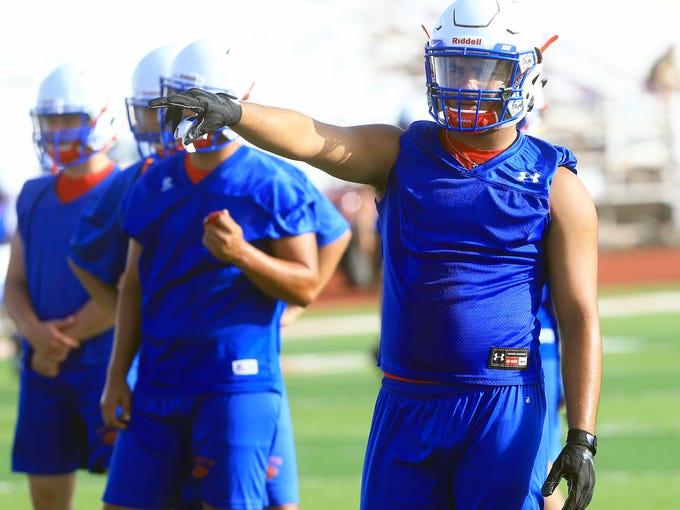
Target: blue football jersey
[205, 325]
[464, 260]
[46, 225]
[99, 245]
[330, 223]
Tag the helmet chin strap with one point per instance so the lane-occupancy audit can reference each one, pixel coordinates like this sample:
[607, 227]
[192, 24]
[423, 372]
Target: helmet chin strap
[212, 140]
[76, 153]
[467, 120]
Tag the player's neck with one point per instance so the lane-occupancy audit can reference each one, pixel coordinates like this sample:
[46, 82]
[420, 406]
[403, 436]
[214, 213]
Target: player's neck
[491, 140]
[210, 160]
[94, 164]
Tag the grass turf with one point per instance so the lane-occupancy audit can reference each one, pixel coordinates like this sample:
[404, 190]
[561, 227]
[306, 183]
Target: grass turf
[638, 428]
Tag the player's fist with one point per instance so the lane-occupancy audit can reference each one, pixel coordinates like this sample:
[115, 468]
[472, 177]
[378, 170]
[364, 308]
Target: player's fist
[211, 219]
[225, 241]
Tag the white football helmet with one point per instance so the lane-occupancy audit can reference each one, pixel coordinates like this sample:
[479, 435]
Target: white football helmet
[481, 65]
[89, 126]
[210, 65]
[145, 123]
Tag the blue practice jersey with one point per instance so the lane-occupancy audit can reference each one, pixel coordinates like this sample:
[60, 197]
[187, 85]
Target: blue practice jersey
[330, 223]
[205, 326]
[464, 260]
[46, 225]
[99, 245]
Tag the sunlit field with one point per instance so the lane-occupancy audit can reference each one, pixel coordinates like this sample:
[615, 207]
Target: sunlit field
[332, 384]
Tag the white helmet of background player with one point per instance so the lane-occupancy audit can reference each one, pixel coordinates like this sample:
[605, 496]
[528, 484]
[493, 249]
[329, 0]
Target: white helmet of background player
[481, 66]
[211, 65]
[145, 123]
[71, 90]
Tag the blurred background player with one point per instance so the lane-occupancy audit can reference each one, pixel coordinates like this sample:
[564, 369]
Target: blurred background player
[66, 337]
[664, 76]
[224, 173]
[99, 247]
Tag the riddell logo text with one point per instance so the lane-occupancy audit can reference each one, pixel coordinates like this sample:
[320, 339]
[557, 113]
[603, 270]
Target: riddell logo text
[466, 40]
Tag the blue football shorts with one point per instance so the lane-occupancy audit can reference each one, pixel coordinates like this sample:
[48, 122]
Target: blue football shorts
[212, 448]
[442, 446]
[282, 475]
[59, 425]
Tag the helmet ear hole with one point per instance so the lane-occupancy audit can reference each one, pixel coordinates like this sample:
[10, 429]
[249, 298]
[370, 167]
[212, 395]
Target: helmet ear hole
[539, 55]
[530, 104]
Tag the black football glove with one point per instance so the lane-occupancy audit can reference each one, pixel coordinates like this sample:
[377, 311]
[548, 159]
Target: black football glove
[576, 464]
[213, 111]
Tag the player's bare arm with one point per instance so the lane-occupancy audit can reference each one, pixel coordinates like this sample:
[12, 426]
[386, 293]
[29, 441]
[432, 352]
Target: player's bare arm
[104, 294]
[126, 342]
[46, 337]
[289, 274]
[90, 320]
[329, 258]
[363, 154]
[572, 254]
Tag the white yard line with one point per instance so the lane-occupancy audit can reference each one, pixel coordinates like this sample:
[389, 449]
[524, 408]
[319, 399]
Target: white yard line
[369, 323]
[310, 327]
[323, 327]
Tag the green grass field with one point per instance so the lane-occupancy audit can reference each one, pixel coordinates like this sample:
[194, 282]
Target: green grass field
[638, 463]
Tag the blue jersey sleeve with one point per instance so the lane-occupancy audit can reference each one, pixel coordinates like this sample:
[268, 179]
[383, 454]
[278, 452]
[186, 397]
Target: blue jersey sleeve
[330, 223]
[201, 317]
[99, 245]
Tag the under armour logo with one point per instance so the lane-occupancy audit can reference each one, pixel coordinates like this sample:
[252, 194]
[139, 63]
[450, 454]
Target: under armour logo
[503, 358]
[167, 184]
[523, 176]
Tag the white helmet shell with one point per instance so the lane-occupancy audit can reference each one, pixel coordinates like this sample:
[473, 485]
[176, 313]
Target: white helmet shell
[146, 84]
[489, 38]
[208, 64]
[71, 89]
[212, 65]
[144, 122]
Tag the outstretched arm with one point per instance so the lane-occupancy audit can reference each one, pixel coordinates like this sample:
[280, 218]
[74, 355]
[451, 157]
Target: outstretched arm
[363, 154]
